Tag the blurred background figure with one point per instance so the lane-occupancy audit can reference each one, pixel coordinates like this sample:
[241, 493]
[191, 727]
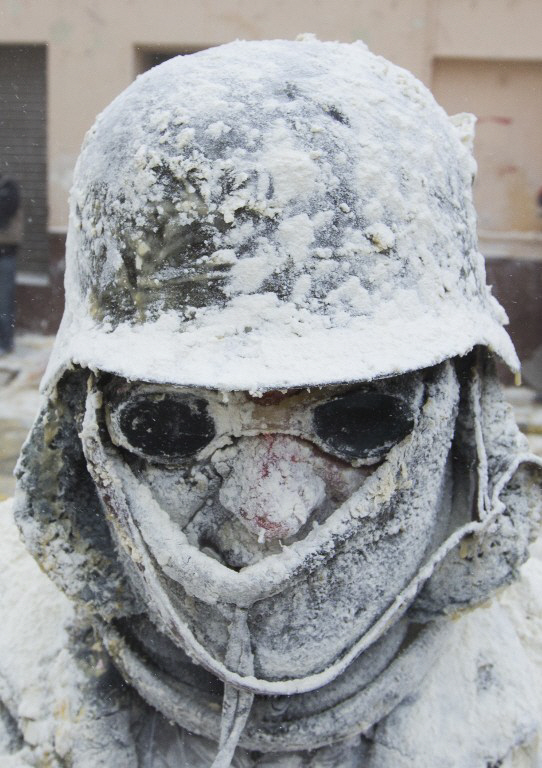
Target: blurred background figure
[11, 234]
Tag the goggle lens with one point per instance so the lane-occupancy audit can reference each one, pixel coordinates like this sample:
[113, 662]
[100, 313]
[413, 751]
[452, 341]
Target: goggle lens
[166, 427]
[362, 425]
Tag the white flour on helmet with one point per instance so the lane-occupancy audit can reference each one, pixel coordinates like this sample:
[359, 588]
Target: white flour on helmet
[351, 194]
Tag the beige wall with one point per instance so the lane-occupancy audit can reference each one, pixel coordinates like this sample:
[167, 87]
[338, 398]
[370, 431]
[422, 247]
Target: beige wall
[453, 44]
[507, 99]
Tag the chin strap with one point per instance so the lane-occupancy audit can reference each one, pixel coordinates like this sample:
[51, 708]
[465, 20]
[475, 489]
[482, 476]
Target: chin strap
[483, 502]
[236, 704]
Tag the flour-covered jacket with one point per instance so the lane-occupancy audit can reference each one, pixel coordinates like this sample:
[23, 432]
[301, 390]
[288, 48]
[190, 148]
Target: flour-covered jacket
[62, 703]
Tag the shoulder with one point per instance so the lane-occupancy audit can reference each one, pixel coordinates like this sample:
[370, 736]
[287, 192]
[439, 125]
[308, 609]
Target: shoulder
[29, 602]
[481, 704]
[51, 694]
[34, 621]
[522, 604]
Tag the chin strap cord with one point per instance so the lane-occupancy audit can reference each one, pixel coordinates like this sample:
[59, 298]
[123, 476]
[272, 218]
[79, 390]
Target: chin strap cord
[483, 501]
[236, 704]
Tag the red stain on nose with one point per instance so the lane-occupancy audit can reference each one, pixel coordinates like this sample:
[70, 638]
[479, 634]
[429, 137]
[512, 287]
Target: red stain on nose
[270, 461]
[272, 486]
[271, 457]
[277, 530]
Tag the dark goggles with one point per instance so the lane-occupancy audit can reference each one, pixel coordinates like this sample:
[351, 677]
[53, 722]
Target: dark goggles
[169, 425]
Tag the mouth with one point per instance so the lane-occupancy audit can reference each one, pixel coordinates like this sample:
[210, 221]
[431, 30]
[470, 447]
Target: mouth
[224, 538]
[234, 554]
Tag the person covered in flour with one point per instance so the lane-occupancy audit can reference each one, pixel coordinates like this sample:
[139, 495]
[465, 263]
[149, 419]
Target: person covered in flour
[273, 473]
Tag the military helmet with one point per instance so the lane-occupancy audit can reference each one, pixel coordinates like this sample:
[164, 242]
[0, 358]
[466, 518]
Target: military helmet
[306, 221]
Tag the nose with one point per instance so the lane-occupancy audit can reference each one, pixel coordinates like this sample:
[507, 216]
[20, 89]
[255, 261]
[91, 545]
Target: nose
[272, 487]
